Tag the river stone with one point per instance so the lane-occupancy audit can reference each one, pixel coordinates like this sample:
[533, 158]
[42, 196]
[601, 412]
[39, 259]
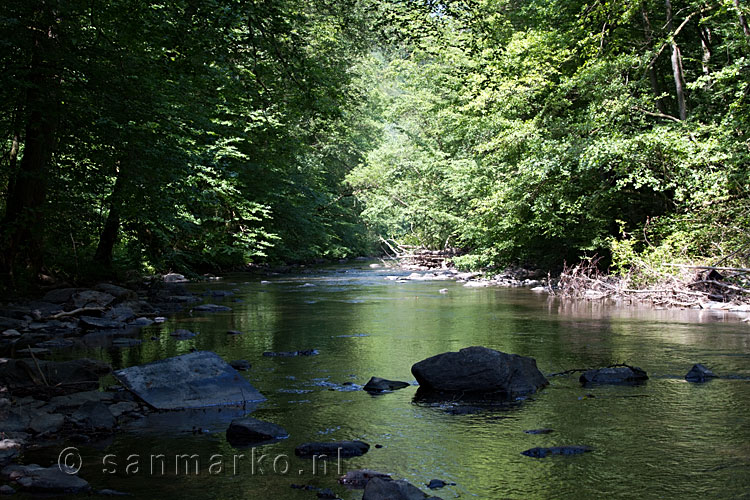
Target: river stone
[120, 313]
[46, 423]
[435, 484]
[359, 478]
[377, 384]
[116, 291]
[61, 295]
[479, 370]
[94, 416]
[248, 430]
[92, 323]
[334, 449]
[6, 490]
[54, 479]
[242, 365]
[182, 334]
[385, 489]
[195, 380]
[126, 342]
[699, 373]
[614, 375]
[92, 298]
[556, 450]
[211, 308]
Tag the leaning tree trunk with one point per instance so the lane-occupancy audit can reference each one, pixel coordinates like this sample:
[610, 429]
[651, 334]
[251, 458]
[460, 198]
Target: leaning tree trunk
[652, 76]
[111, 229]
[23, 224]
[679, 79]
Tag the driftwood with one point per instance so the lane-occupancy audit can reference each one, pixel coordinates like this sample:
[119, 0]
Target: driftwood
[412, 255]
[688, 290]
[75, 312]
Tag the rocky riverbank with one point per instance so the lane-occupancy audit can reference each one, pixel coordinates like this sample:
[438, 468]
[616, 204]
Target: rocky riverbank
[697, 291]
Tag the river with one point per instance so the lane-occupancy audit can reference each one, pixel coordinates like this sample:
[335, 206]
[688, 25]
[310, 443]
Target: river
[664, 439]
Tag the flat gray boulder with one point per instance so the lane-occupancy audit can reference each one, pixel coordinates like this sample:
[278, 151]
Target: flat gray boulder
[195, 380]
[479, 370]
[248, 430]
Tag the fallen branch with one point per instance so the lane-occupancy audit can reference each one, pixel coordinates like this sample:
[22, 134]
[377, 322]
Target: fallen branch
[75, 312]
[712, 268]
[722, 285]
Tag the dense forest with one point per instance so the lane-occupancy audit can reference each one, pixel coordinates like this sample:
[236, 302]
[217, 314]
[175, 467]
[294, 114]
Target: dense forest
[196, 135]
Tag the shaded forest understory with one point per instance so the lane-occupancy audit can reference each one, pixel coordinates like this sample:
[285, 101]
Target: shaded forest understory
[203, 135]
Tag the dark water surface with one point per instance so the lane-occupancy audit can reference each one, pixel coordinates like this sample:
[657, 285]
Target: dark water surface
[665, 439]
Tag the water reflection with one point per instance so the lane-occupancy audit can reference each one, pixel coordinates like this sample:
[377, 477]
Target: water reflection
[666, 438]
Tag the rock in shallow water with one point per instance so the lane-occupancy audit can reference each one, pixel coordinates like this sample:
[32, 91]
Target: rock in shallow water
[556, 450]
[377, 384]
[614, 375]
[479, 370]
[248, 430]
[332, 450]
[699, 373]
[54, 479]
[359, 478]
[385, 489]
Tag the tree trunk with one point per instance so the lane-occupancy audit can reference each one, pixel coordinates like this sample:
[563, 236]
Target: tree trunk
[108, 238]
[652, 76]
[679, 80]
[743, 22]
[23, 224]
[705, 35]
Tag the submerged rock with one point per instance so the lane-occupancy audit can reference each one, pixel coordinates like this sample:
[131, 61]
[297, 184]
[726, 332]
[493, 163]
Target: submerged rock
[359, 478]
[377, 384]
[614, 375]
[539, 431]
[479, 370]
[556, 450]
[242, 365]
[211, 308]
[435, 484]
[332, 450]
[291, 354]
[94, 416]
[388, 489]
[248, 430]
[182, 334]
[699, 373]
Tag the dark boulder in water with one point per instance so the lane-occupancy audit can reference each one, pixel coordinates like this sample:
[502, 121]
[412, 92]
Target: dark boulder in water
[479, 370]
[332, 450]
[377, 384]
[699, 373]
[248, 430]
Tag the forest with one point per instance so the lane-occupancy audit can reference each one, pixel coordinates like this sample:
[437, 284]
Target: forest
[206, 135]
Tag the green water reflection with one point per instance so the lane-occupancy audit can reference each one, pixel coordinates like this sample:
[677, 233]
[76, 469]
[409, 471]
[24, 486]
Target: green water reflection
[666, 439]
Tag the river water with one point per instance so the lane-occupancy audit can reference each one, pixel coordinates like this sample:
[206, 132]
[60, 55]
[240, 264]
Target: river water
[665, 439]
